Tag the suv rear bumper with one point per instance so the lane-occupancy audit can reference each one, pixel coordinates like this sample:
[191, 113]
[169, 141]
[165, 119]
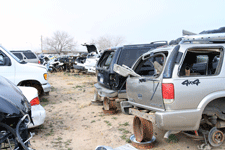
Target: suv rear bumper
[90, 69]
[46, 87]
[104, 92]
[175, 120]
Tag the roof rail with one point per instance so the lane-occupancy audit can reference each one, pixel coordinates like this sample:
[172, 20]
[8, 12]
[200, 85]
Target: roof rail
[20, 51]
[204, 37]
[159, 42]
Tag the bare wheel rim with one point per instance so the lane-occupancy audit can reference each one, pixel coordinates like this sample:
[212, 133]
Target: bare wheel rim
[215, 137]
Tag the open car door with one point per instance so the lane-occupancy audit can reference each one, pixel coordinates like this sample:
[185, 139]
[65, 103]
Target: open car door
[144, 81]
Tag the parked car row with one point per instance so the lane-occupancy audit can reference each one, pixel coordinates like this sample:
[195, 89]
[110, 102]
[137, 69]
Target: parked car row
[21, 84]
[177, 86]
[85, 62]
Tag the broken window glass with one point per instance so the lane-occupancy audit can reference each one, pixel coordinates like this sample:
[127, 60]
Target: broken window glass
[152, 66]
[199, 62]
[106, 59]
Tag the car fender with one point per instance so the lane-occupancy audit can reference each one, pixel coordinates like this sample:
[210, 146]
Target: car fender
[29, 92]
[207, 99]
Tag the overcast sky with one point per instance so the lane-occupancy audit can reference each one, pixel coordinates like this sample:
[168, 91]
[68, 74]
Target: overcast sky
[23, 22]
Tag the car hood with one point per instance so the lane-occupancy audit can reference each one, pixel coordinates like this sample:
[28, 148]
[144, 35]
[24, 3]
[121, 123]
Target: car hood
[36, 65]
[12, 100]
[91, 48]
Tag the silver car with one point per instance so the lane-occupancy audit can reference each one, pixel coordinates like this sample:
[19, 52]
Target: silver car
[180, 87]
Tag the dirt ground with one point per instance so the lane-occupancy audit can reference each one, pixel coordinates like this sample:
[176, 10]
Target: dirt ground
[72, 123]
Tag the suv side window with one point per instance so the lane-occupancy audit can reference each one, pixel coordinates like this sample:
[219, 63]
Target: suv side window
[199, 62]
[106, 59]
[1, 60]
[19, 55]
[29, 55]
[109, 59]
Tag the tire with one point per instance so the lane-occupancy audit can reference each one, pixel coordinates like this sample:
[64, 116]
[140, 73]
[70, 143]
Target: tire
[8, 137]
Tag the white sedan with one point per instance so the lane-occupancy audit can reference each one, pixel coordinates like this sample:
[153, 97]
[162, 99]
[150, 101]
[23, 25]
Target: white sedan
[37, 111]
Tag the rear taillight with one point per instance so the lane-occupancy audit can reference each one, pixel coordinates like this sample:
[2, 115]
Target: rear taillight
[39, 61]
[168, 92]
[35, 101]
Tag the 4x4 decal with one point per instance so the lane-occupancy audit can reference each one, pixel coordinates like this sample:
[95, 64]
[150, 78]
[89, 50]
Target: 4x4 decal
[186, 82]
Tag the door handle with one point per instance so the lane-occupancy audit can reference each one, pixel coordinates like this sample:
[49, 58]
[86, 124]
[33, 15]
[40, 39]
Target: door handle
[142, 80]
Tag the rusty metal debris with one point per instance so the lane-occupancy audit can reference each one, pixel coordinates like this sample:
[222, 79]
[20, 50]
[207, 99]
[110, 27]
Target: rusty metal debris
[143, 129]
[143, 145]
[109, 106]
[192, 135]
[97, 103]
[109, 112]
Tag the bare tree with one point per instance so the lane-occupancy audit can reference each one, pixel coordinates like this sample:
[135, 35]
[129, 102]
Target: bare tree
[107, 41]
[60, 42]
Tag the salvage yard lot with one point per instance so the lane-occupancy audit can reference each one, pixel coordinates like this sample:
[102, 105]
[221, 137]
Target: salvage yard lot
[72, 123]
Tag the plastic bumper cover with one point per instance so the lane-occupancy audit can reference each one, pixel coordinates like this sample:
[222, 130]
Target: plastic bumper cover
[90, 69]
[79, 67]
[46, 87]
[38, 115]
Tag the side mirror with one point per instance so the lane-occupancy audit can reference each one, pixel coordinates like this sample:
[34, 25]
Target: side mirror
[2, 61]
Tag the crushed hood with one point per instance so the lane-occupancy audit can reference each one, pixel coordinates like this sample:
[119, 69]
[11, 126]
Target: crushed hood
[12, 100]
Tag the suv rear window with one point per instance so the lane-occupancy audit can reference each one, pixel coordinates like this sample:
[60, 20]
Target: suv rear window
[29, 55]
[129, 56]
[151, 66]
[18, 55]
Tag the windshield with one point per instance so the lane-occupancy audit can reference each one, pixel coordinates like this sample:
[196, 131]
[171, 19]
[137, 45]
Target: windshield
[11, 54]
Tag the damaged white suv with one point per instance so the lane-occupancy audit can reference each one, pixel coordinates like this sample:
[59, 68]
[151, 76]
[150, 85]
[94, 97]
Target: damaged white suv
[181, 87]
